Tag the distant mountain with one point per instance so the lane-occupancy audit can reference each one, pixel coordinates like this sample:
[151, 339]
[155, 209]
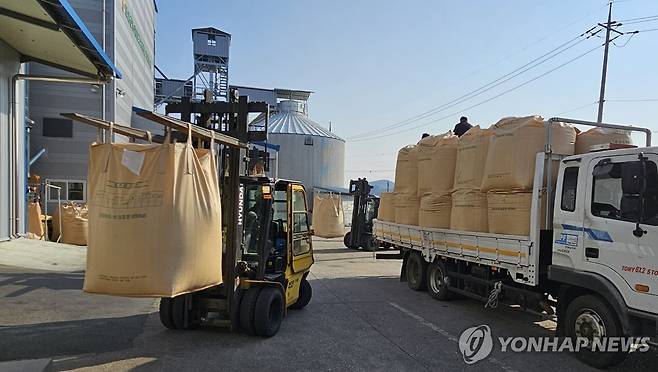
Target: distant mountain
[381, 186]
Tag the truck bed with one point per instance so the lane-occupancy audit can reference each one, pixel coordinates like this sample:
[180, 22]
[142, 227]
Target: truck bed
[518, 255]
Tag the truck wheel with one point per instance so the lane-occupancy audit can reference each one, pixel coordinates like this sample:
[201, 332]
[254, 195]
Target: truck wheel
[269, 311]
[590, 317]
[247, 309]
[165, 313]
[305, 294]
[436, 281]
[347, 239]
[416, 272]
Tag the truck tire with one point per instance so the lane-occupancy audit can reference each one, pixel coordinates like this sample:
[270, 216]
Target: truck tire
[165, 313]
[305, 294]
[436, 281]
[591, 317]
[247, 309]
[416, 272]
[269, 311]
[347, 239]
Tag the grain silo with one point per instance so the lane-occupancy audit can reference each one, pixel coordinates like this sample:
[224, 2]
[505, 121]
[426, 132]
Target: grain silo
[308, 152]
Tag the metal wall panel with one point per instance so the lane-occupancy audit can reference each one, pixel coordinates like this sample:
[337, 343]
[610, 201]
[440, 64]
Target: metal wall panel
[9, 66]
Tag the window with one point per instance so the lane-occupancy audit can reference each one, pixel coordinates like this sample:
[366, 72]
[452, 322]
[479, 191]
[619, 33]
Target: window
[308, 141]
[300, 227]
[71, 190]
[53, 127]
[617, 194]
[569, 184]
[211, 40]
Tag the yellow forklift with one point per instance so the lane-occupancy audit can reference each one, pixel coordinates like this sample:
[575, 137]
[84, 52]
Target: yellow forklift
[267, 248]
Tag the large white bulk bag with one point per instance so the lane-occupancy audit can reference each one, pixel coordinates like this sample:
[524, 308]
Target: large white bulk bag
[514, 145]
[154, 220]
[386, 211]
[586, 141]
[328, 217]
[436, 163]
[469, 211]
[406, 170]
[435, 211]
[471, 156]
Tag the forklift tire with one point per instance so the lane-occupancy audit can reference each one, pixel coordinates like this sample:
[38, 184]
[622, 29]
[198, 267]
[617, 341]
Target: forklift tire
[436, 281]
[179, 312]
[416, 272]
[269, 312]
[305, 294]
[247, 309]
[347, 239]
[588, 314]
[166, 313]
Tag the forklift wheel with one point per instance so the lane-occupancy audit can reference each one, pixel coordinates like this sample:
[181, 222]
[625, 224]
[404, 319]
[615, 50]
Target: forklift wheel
[165, 313]
[269, 312]
[247, 308]
[347, 239]
[305, 294]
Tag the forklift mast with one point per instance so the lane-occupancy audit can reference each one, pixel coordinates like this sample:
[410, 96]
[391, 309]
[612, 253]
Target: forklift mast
[364, 211]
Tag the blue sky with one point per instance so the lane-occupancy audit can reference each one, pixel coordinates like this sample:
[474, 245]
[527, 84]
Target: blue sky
[374, 63]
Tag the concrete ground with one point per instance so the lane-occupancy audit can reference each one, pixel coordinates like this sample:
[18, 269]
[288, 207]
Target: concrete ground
[360, 318]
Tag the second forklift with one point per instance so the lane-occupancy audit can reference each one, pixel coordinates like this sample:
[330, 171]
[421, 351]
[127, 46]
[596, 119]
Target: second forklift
[364, 211]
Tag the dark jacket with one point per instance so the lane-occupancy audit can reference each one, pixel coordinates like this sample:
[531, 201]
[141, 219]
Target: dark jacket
[462, 128]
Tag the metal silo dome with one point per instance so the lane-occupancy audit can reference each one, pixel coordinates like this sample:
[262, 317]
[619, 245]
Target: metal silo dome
[308, 152]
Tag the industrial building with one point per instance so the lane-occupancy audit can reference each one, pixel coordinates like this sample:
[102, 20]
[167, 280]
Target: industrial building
[59, 147]
[52, 33]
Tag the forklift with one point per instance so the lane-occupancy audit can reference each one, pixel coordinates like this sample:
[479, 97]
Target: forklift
[267, 247]
[364, 211]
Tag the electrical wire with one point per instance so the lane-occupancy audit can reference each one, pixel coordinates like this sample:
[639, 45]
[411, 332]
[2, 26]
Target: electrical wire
[638, 19]
[576, 108]
[484, 101]
[633, 100]
[487, 87]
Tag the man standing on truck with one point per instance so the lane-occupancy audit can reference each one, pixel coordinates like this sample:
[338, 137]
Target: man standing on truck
[462, 127]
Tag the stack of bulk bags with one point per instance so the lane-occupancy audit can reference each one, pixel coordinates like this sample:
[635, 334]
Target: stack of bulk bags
[328, 219]
[406, 186]
[469, 204]
[435, 211]
[586, 141]
[510, 168]
[154, 219]
[386, 211]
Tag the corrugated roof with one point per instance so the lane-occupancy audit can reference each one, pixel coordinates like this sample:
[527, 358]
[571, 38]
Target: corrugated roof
[291, 120]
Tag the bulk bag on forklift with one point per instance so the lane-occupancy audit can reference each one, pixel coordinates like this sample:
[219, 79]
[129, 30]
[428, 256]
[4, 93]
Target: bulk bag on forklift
[386, 211]
[469, 211]
[514, 145]
[406, 170]
[436, 163]
[154, 220]
[471, 155]
[406, 208]
[435, 211]
[328, 217]
[589, 140]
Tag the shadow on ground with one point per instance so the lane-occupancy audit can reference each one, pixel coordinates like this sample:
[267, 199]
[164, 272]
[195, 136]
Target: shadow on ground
[29, 282]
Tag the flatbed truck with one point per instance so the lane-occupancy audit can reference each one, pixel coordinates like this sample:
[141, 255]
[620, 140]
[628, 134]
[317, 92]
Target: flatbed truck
[591, 258]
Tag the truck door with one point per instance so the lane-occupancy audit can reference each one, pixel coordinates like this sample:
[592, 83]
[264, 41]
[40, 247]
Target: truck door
[612, 210]
[302, 252]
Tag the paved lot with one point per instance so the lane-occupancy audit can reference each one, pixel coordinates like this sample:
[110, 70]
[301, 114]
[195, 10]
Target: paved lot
[360, 318]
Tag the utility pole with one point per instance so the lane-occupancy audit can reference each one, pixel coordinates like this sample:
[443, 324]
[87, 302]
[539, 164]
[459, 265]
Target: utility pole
[608, 28]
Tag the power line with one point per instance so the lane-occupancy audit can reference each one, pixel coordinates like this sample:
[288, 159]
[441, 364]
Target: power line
[639, 19]
[576, 108]
[633, 100]
[486, 100]
[487, 87]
